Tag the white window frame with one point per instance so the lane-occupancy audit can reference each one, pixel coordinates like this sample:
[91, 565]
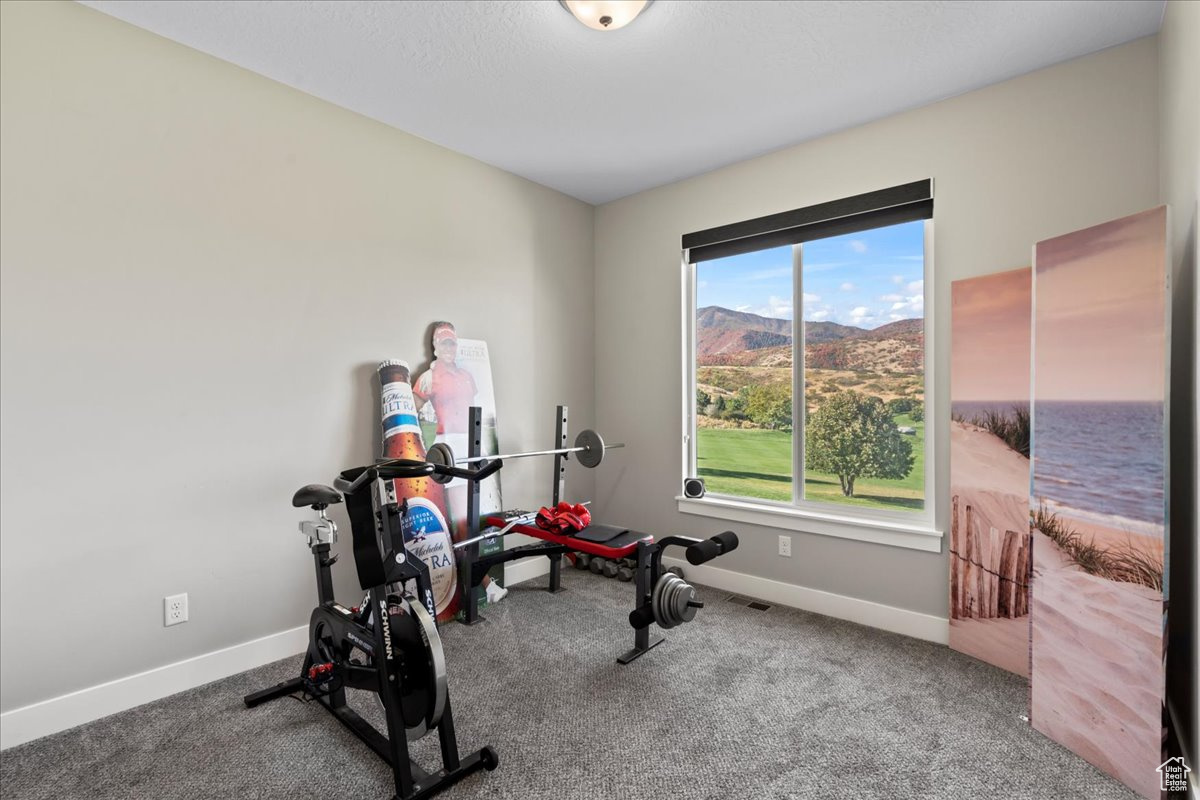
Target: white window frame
[914, 530]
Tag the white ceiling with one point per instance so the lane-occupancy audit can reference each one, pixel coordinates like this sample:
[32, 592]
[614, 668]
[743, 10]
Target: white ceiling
[689, 86]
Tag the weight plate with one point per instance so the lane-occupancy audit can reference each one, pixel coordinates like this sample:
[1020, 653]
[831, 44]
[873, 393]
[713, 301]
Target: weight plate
[673, 601]
[658, 601]
[593, 448]
[687, 613]
[441, 455]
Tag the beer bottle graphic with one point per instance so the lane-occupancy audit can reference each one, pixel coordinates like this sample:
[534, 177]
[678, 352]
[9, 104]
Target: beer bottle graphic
[426, 534]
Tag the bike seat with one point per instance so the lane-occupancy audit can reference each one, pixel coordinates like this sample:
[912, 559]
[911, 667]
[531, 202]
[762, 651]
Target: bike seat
[315, 495]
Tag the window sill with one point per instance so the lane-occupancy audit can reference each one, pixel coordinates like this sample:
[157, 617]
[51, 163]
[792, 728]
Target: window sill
[896, 534]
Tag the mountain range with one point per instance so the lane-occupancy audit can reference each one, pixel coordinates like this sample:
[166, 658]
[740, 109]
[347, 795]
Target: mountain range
[737, 338]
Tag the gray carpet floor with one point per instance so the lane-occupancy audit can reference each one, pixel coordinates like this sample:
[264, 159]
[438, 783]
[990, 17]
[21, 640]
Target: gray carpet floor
[741, 703]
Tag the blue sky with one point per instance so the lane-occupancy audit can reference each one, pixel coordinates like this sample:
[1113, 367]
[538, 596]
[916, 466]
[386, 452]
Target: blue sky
[863, 279]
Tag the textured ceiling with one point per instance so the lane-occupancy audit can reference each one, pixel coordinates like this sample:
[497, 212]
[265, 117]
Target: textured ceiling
[689, 86]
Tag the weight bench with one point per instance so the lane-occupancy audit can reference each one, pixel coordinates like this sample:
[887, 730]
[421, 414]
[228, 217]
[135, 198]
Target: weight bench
[664, 599]
[661, 597]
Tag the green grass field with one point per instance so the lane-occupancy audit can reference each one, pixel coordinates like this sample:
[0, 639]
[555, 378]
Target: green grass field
[751, 462]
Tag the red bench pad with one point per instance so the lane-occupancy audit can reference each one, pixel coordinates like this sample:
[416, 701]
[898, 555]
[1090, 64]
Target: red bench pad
[622, 546]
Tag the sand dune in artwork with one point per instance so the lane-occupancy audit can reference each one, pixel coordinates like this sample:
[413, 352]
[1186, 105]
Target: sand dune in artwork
[981, 464]
[1097, 655]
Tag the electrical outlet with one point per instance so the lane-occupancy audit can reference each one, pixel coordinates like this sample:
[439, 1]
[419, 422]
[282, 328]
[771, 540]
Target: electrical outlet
[785, 546]
[175, 609]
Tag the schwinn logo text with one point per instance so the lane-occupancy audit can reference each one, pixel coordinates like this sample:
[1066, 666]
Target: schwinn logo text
[387, 628]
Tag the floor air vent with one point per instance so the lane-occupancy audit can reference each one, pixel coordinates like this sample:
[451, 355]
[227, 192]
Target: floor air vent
[757, 605]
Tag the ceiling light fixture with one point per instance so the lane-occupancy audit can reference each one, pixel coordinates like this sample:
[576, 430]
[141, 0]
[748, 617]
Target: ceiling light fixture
[605, 15]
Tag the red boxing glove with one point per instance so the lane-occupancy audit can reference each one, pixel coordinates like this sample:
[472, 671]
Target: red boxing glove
[546, 520]
[564, 518]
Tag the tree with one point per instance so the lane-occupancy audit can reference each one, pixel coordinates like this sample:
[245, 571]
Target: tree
[702, 401]
[899, 405]
[918, 411]
[770, 405]
[853, 436]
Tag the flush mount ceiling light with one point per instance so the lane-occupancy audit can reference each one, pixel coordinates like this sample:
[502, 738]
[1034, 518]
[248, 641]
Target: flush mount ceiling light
[605, 15]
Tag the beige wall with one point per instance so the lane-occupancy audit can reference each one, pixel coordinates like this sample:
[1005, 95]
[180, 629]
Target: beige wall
[1180, 184]
[1034, 157]
[199, 269]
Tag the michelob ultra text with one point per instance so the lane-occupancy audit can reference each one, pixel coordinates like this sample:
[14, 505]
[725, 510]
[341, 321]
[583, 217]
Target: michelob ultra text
[426, 534]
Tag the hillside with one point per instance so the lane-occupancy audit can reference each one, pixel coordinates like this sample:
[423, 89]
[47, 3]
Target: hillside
[738, 338]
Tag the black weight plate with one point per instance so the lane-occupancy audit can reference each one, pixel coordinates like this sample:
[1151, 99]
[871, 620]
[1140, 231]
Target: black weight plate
[593, 448]
[441, 455]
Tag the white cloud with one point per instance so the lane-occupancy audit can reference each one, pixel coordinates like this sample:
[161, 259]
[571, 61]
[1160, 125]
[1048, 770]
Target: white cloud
[702, 285]
[848, 287]
[779, 307]
[897, 279]
[891, 298]
[894, 317]
[809, 298]
[859, 312]
[818, 316]
[914, 303]
[857, 245]
[776, 307]
[916, 287]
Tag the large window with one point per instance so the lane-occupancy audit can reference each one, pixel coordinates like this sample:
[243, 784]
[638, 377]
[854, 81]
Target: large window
[807, 349]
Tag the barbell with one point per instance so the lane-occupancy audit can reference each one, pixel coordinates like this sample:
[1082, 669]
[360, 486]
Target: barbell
[589, 445]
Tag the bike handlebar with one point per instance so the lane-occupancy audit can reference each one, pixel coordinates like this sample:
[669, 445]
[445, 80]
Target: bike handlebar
[351, 480]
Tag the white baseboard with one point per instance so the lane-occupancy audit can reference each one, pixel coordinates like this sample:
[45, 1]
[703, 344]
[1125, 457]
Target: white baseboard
[60, 713]
[864, 612]
[526, 569]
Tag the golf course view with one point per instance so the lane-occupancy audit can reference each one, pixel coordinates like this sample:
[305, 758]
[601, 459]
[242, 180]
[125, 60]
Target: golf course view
[861, 306]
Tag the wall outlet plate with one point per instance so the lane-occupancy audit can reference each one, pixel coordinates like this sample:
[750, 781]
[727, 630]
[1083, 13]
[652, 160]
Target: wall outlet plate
[175, 609]
[785, 546]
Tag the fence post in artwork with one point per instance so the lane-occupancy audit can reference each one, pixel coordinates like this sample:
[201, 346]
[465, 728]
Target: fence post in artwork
[993, 566]
[1023, 587]
[981, 575]
[955, 561]
[1009, 576]
[970, 581]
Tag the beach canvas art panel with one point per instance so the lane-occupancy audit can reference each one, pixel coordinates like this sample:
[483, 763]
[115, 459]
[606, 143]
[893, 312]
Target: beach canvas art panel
[1099, 494]
[989, 467]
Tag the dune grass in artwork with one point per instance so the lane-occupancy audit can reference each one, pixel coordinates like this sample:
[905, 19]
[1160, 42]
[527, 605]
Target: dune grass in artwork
[1011, 427]
[1126, 564]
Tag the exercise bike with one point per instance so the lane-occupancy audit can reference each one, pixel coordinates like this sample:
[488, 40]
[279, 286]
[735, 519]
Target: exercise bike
[389, 644]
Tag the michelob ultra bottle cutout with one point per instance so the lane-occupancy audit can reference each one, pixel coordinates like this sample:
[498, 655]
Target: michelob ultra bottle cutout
[426, 534]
